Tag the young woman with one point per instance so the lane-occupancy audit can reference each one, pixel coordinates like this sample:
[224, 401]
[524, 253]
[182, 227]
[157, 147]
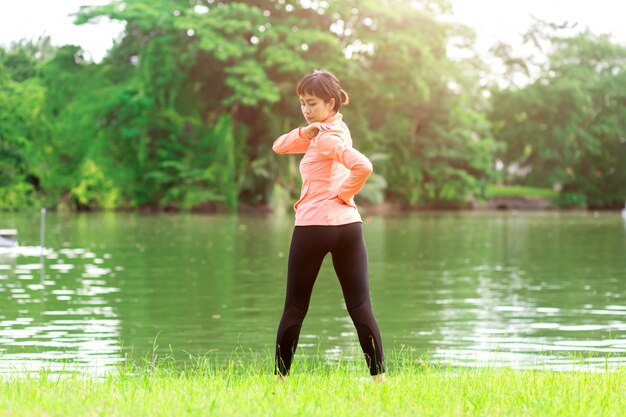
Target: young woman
[326, 220]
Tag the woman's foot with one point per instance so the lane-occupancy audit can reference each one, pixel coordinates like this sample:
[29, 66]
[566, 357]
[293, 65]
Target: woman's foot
[379, 378]
[280, 378]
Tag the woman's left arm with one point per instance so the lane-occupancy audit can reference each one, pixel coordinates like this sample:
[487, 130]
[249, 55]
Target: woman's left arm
[331, 145]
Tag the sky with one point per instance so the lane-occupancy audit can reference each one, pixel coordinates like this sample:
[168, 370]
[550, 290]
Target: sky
[493, 20]
[506, 20]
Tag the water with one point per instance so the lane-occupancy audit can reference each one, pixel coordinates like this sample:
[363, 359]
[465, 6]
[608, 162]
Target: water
[537, 289]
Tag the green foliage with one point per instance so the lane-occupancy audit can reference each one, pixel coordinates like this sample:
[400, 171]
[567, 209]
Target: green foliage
[22, 128]
[519, 191]
[571, 200]
[95, 190]
[186, 186]
[374, 189]
[184, 108]
[413, 103]
[17, 195]
[566, 129]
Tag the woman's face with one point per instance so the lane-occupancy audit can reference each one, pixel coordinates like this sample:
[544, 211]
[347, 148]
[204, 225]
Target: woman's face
[314, 109]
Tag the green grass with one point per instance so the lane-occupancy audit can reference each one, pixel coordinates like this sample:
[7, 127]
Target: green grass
[202, 387]
[494, 191]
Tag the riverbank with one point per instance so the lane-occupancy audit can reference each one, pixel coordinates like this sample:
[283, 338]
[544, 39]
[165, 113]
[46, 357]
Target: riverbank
[516, 198]
[239, 389]
[497, 197]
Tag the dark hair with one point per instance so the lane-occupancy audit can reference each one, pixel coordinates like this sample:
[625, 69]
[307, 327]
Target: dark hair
[324, 85]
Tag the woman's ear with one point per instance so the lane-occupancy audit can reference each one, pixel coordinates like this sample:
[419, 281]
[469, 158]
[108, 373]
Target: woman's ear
[331, 103]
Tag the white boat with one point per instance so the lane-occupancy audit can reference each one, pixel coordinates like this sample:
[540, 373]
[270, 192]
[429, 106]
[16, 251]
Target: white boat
[8, 238]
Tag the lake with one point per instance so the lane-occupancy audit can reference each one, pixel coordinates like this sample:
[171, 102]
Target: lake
[520, 289]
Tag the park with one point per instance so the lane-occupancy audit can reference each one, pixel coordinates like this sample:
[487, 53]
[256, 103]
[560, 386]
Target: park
[147, 233]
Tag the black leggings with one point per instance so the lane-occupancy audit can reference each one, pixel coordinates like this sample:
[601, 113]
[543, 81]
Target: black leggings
[309, 246]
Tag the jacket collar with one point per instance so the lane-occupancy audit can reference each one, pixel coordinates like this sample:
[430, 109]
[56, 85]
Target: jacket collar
[335, 117]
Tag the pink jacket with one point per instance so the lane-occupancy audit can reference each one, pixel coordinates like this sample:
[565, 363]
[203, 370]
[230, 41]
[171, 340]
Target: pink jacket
[333, 172]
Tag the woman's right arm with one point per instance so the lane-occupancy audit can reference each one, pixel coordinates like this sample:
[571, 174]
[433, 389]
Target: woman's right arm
[295, 141]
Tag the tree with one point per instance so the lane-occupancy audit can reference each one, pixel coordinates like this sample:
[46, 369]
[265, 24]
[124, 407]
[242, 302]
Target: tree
[565, 129]
[419, 111]
[184, 108]
[23, 126]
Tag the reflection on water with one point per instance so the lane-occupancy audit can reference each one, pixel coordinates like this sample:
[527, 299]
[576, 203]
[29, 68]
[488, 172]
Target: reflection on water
[518, 332]
[471, 289]
[57, 321]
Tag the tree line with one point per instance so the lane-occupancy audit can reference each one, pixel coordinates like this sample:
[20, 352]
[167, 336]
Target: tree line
[182, 111]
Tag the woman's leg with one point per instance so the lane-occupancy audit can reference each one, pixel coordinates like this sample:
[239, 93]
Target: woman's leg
[350, 262]
[309, 246]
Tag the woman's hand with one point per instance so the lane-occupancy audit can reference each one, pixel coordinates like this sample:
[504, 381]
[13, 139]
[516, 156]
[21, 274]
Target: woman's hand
[350, 202]
[312, 130]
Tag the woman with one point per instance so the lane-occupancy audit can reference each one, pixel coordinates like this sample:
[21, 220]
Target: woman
[327, 220]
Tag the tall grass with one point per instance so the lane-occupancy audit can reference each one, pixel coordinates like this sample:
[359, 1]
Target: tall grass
[244, 385]
[494, 191]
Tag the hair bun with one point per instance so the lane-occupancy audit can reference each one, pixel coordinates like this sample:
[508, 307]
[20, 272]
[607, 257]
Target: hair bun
[344, 96]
